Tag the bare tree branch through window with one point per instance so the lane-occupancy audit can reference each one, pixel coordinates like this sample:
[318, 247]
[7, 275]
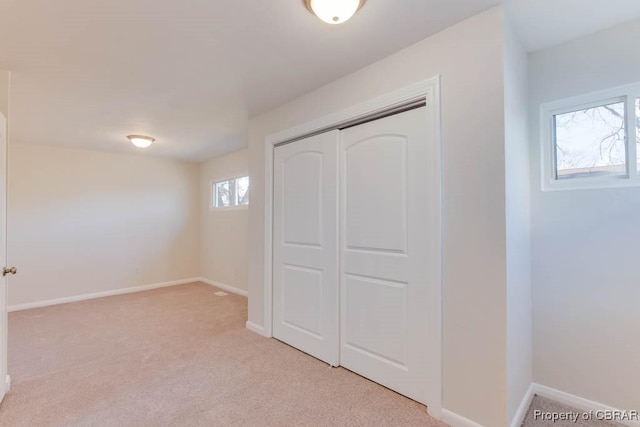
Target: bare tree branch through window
[592, 141]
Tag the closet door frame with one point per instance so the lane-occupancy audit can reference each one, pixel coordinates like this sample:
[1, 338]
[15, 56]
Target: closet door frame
[427, 91]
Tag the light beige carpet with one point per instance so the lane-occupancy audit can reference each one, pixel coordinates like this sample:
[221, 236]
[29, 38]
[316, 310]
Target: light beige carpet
[178, 356]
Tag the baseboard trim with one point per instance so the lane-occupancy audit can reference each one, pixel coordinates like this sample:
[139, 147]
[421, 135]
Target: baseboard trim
[521, 413]
[578, 402]
[456, 420]
[229, 288]
[7, 387]
[255, 328]
[83, 297]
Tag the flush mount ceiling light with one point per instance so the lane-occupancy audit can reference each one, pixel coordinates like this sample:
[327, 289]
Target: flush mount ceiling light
[140, 141]
[334, 11]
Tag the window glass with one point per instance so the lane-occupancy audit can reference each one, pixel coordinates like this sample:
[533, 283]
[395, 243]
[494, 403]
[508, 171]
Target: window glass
[224, 196]
[591, 142]
[233, 192]
[243, 190]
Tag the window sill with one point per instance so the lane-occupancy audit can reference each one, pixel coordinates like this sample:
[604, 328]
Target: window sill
[591, 184]
[229, 208]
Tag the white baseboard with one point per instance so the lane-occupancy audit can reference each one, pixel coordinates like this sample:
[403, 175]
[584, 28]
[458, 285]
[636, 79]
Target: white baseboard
[255, 328]
[94, 295]
[456, 420]
[561, 397]
[518, 418]
[579, 402]
[7, 386]
[229, 288]
[564, 399]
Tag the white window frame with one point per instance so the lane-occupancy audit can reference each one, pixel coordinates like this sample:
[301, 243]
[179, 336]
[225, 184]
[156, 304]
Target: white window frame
[213, 194]
[631, 177]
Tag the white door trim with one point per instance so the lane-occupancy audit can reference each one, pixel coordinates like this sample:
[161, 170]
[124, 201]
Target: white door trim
[428, 91]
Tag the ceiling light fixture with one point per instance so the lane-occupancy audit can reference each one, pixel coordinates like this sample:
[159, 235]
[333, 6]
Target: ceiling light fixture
[334, 11]
[140, 141]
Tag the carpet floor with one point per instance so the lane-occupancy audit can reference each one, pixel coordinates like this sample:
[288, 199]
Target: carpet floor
[178, 356]
[542, 408]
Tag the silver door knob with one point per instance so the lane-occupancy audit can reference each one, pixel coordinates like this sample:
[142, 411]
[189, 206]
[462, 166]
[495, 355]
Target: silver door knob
[6, 271]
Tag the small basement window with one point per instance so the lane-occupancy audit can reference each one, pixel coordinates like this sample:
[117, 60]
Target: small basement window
[591, 142]
[230, 193]
[588, 141]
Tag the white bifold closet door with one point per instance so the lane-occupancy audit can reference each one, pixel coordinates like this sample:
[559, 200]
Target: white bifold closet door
[384, 201]
[351, 249]
[305, 246]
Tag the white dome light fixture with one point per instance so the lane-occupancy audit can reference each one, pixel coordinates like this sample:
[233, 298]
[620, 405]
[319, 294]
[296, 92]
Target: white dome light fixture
[334, 11]
[141, 141]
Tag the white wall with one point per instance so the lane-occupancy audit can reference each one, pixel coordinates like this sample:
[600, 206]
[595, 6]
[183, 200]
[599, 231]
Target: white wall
[5, 80]
[468, 56]
[518, 225]
[83, 221]
[224, 232]
[586, 274]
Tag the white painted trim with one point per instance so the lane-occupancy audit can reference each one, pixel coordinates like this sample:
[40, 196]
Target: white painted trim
[7, 387]
[415, 92]
[428, 90]
[578, 402]
[83, 297]
[455, 420]
[229, 208]
[255, 328]
[229, 288]
[521, 413]
[268, 240]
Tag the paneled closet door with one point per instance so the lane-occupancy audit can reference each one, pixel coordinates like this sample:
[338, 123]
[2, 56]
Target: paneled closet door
[384, 233]
[305, 246]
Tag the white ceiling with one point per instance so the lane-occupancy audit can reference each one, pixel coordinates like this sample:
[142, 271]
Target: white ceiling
[544, 23]
[190, 73]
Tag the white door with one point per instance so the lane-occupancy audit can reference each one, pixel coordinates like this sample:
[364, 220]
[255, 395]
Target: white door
[305, 246]
[4, 379]
[386, 192]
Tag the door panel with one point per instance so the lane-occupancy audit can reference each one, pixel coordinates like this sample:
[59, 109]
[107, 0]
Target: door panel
[301, 291]
[384, 202]
[302, 176]
[305, 246]
[375, 311]
[376, 198]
